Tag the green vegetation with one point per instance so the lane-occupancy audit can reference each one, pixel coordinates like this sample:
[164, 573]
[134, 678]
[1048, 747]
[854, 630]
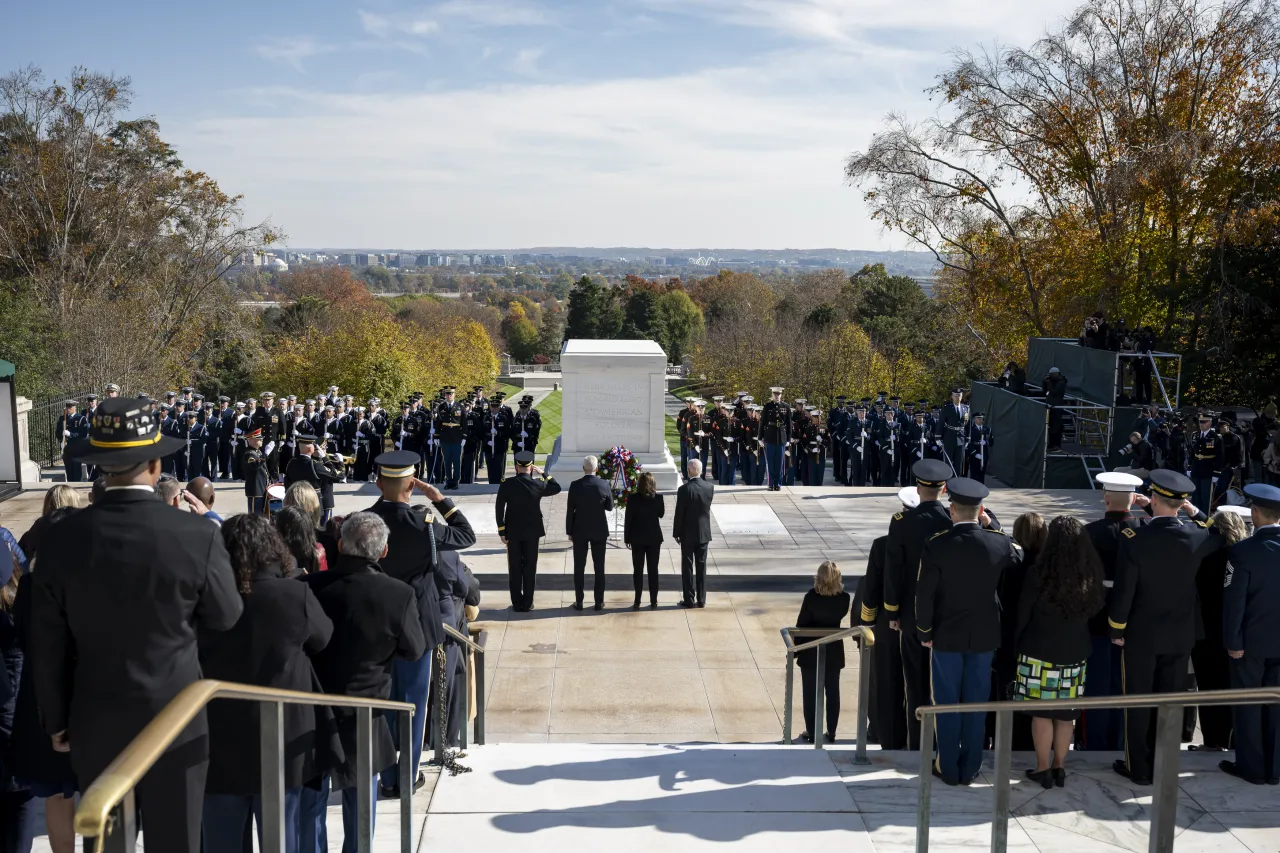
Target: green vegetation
[552, 418]
[673, 438]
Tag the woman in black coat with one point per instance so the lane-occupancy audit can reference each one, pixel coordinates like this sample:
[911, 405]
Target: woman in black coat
[281, 625]
[1209, 656]
[824, 606]
[642, 533]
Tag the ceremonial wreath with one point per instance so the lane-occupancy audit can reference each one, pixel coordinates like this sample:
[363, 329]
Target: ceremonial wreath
[621, 469]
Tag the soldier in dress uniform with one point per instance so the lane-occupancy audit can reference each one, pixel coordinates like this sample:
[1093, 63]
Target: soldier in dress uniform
[1103, 729]
[977, 448]
[795, 452]
[682, 421]
[775, 429]
[333, 399]
[906, 420]
[197, 406]
[816, 441]
[497, 434]
[519, 516]
[212, 438]
[729, 441]
[253, 464]
[694, 435]
[916, 439]
[363, 469]
[286, 432]
[958, 620]
[188, 399]
[1251, 611]
[524, 427]
[1233, 458]
[381, 424]
[474, 442]
[310, 467]
[449, 422]
[196, 437]
[1207, 455]
[71, 427]
[269, 419]
[751, 453]
[837, 418]
[953, 424]
[418, 535]
[233, 437]
[887, 718]
[860, 444]
[886, 439]
[1152, 609]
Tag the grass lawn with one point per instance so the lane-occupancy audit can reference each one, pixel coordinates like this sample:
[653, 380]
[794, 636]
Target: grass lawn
[512, 392]
[673, 438]
[552, 417]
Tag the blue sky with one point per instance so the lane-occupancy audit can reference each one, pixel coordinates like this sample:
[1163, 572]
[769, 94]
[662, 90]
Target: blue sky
[514, 123]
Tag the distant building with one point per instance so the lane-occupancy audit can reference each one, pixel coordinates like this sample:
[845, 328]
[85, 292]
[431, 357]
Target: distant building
[347, 259]
[405, 261]
[364, 259]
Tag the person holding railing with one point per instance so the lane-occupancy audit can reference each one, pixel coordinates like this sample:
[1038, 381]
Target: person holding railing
[1060, 592]
[824, 606]
[283, 623]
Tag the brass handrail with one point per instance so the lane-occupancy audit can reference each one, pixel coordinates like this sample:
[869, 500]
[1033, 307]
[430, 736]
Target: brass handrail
[1164, 802]
[124, 773]
[825, 637]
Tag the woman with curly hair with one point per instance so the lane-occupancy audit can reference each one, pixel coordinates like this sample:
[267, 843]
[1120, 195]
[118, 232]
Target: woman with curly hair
[1060, 592]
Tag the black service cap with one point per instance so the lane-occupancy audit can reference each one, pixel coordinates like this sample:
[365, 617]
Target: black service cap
[524, 457]
[932, 473]
[1171, 484]
[966, 492]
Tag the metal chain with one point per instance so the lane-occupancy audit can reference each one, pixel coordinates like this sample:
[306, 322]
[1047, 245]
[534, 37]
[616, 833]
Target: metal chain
[450, 762]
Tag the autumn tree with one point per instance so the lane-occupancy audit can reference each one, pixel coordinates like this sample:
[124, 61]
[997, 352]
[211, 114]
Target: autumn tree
[593, 311]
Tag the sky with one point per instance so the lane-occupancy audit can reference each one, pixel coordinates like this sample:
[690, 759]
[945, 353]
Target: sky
[504, 124]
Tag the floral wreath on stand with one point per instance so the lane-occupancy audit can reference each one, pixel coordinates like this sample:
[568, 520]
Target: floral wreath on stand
[621, 469]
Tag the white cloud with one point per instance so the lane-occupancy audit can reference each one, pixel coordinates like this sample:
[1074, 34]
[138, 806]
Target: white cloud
[292, 50]
[526, 61]
[386, 26]
[494, 13]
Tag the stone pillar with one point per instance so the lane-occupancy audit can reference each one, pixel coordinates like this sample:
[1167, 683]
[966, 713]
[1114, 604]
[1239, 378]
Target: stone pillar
[28, 471]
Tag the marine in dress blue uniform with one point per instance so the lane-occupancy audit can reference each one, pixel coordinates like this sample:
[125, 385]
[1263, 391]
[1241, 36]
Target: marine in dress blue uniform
[1251, 612]
[775, 428]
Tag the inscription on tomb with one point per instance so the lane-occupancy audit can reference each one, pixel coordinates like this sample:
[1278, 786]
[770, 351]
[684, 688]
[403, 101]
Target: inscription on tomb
[613, 411]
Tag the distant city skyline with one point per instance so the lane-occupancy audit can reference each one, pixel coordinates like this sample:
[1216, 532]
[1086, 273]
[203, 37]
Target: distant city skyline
[526, 123]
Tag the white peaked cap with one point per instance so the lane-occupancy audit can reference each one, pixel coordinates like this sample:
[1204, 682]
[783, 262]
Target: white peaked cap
[909, 496]
[1114, 481]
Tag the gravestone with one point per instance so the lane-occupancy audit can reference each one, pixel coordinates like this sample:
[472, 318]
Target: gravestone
[613, 394]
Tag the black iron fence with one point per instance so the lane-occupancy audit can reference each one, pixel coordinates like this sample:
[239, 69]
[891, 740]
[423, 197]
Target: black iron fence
[44, 439]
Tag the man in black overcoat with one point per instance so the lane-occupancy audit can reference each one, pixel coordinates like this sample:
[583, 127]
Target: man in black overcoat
[519, 515]
[122, 588]
[587, 526]
[691, 528]
[417, 536]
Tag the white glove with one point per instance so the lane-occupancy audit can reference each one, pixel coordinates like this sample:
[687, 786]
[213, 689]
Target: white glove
[266, 451]
[359, 435]
[239, 431]
[397, 445]
[1215, 481]
[66, 434]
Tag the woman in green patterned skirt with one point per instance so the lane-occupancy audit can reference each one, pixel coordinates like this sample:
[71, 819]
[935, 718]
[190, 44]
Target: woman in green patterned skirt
[1061, 591]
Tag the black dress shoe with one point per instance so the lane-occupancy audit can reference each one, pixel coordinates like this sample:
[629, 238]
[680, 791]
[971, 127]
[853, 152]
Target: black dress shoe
[577, 605]
[1060, 777]
[937, 773]
[599, 605]
[683, 603]
[1273, 780]
[702, 604]
[1230, 768]
[829, 737]
[653, 605]
[1119, 766]
[636, 606]
[387, 793]
[1044, 777]
[806, 737]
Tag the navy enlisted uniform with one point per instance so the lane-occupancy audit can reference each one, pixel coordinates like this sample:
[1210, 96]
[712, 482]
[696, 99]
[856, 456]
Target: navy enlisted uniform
[775, 427]
[1103, 729]
[519, 518]
[1151, 613]
[958, 618]
[1251, 611]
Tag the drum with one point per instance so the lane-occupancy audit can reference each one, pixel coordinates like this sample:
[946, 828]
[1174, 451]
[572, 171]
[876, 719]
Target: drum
[275, 499]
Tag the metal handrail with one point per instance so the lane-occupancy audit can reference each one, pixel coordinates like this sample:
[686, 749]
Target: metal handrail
[461, 638]
[477, 647]
[1164, 804]
[108, 804]
[826, 636]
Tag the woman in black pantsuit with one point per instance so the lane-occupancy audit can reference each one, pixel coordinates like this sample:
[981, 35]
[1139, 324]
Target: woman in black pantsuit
[824, 606]
[643, 535]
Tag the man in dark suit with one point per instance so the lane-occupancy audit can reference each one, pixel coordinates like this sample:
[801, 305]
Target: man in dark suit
[123, 587]
[418, 535]
[587, 526]
[692, 529]
[376, 625]
[519, 515]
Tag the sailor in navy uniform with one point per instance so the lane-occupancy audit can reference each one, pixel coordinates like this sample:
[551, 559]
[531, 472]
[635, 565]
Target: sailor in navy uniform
[1151, 611]
[1251, 611]
[958, 619]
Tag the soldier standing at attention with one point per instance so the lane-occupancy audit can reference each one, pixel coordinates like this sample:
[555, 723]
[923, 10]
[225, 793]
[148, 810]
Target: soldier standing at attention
[1251, 610]
[269, 420]
[775, 427]
[837, 420]
[1206, 462]
[952, 424]
[958, 620]
[450, 420]
[682, 422]
[253, 464]
[1152, 609]
[977, 448]
[497, 431]
[71, 427]
[519, 515]
[860, 444]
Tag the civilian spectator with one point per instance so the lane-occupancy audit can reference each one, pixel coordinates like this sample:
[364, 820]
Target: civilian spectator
[691, 528]
[295, 528]
[376, 622]
[169, 490]
[642, 533]
[1063, 589]
[281, 625]
[58, 496]
[587, 526]
[1209, 656]
[305, 498]
[200, 495]
[824, 606]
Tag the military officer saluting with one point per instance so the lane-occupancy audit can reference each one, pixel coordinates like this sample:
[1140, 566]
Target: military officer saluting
[253, 464]
[1152, 609]
[1251, 611]
[519, 517]
[958, 619]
